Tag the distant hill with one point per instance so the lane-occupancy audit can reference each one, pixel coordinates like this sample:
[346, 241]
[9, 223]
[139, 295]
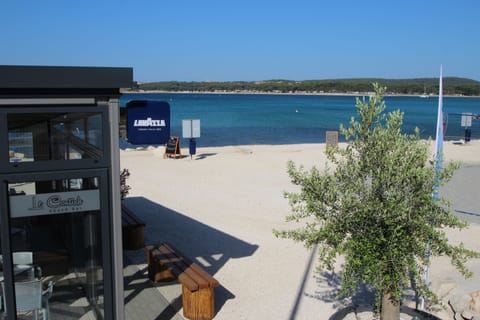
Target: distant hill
[419, 86]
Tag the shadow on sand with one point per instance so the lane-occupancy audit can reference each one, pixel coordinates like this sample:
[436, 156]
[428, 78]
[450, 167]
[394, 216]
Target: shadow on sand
[205, 245]
[202, 156]
[328, 289]
[328, 283]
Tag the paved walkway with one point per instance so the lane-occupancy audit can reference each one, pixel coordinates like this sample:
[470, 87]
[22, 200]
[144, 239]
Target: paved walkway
[143, 299]
[464, 192]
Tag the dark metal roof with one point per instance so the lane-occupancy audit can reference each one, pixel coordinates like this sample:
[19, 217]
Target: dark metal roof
[50, 77]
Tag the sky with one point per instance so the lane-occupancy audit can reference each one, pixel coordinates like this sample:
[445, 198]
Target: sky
[247, 40]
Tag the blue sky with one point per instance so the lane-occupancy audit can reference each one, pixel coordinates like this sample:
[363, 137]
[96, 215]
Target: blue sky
[205, 40]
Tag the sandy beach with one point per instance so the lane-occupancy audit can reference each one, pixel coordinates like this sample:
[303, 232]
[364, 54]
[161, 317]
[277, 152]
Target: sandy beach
[220, 207]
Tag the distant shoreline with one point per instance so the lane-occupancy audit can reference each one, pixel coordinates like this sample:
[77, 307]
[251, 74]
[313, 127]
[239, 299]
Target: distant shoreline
[333, 94]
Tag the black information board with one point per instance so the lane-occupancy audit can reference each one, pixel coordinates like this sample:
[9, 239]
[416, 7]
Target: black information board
[172, 148]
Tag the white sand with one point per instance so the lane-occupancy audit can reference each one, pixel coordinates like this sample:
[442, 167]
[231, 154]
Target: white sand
[220, 209]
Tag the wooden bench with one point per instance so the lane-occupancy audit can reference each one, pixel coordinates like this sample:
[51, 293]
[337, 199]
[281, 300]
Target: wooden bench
[165, 264]
[133, 237]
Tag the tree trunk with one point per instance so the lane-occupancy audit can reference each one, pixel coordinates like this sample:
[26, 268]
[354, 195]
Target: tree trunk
[390, 307]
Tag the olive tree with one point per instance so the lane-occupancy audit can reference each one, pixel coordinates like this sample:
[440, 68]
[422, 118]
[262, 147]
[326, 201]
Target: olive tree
[373, 205]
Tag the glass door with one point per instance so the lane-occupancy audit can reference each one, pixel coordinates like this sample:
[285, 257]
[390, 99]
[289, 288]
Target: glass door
[59, 235]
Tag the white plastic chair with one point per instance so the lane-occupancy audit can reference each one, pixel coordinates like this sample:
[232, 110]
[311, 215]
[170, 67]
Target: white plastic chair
[46, 295]
[22, 257]
[29, 296]
[31, 299]
[26, 258]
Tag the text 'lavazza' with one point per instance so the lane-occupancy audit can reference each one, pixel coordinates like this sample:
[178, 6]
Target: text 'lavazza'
[149, 122]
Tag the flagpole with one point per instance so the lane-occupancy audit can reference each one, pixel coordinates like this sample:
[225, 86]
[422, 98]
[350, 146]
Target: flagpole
[439, 135]
[438, 168]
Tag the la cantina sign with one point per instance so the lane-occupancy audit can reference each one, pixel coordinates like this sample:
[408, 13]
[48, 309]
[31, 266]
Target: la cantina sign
[54, 203]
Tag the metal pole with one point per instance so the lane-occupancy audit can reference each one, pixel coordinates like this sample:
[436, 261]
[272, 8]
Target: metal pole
[115, 207]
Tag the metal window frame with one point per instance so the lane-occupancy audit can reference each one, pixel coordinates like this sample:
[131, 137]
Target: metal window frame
[6, 166]
[106, 214]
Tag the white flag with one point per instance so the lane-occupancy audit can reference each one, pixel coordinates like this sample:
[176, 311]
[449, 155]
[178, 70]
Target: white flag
[439, 135]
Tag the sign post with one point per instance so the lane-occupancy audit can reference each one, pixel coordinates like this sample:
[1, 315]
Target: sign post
[331, 139]
[191, 130]
[467, 123]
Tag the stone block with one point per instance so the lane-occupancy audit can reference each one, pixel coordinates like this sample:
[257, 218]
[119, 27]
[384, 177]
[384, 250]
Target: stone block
[475, 304]
[350, 316]
[458, 303]
[366, 315]
[467, 315]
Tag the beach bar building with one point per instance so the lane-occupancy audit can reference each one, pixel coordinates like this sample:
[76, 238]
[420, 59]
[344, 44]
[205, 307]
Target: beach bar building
[60, 221]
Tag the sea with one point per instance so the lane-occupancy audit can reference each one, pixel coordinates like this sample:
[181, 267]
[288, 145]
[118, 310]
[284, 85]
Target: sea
[250, 119]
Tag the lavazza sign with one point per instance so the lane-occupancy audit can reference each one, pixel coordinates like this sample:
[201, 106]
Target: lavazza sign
[149, 123]
[54, 203]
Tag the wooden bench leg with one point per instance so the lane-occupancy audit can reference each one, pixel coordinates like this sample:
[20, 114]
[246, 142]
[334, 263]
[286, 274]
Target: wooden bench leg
[159, 272]
[198, 305]
[156, 270]
[133, 237]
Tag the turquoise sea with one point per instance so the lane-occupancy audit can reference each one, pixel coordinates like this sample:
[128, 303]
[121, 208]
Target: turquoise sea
[243, 119]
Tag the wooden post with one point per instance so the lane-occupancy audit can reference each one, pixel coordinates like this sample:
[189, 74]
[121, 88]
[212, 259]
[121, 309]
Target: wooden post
[198, 305]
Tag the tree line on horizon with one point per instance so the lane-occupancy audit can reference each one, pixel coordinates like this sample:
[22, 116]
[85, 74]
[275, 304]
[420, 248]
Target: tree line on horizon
[419, 86]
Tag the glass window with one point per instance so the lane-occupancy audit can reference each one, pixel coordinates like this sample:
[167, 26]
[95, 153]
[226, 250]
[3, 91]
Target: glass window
[94, 125]
[56, 241]
[78, 127]
[54, 136]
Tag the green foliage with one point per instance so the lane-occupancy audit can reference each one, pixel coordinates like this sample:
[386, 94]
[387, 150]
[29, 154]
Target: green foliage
[451, 85]
[375, 207]
[124, 187]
